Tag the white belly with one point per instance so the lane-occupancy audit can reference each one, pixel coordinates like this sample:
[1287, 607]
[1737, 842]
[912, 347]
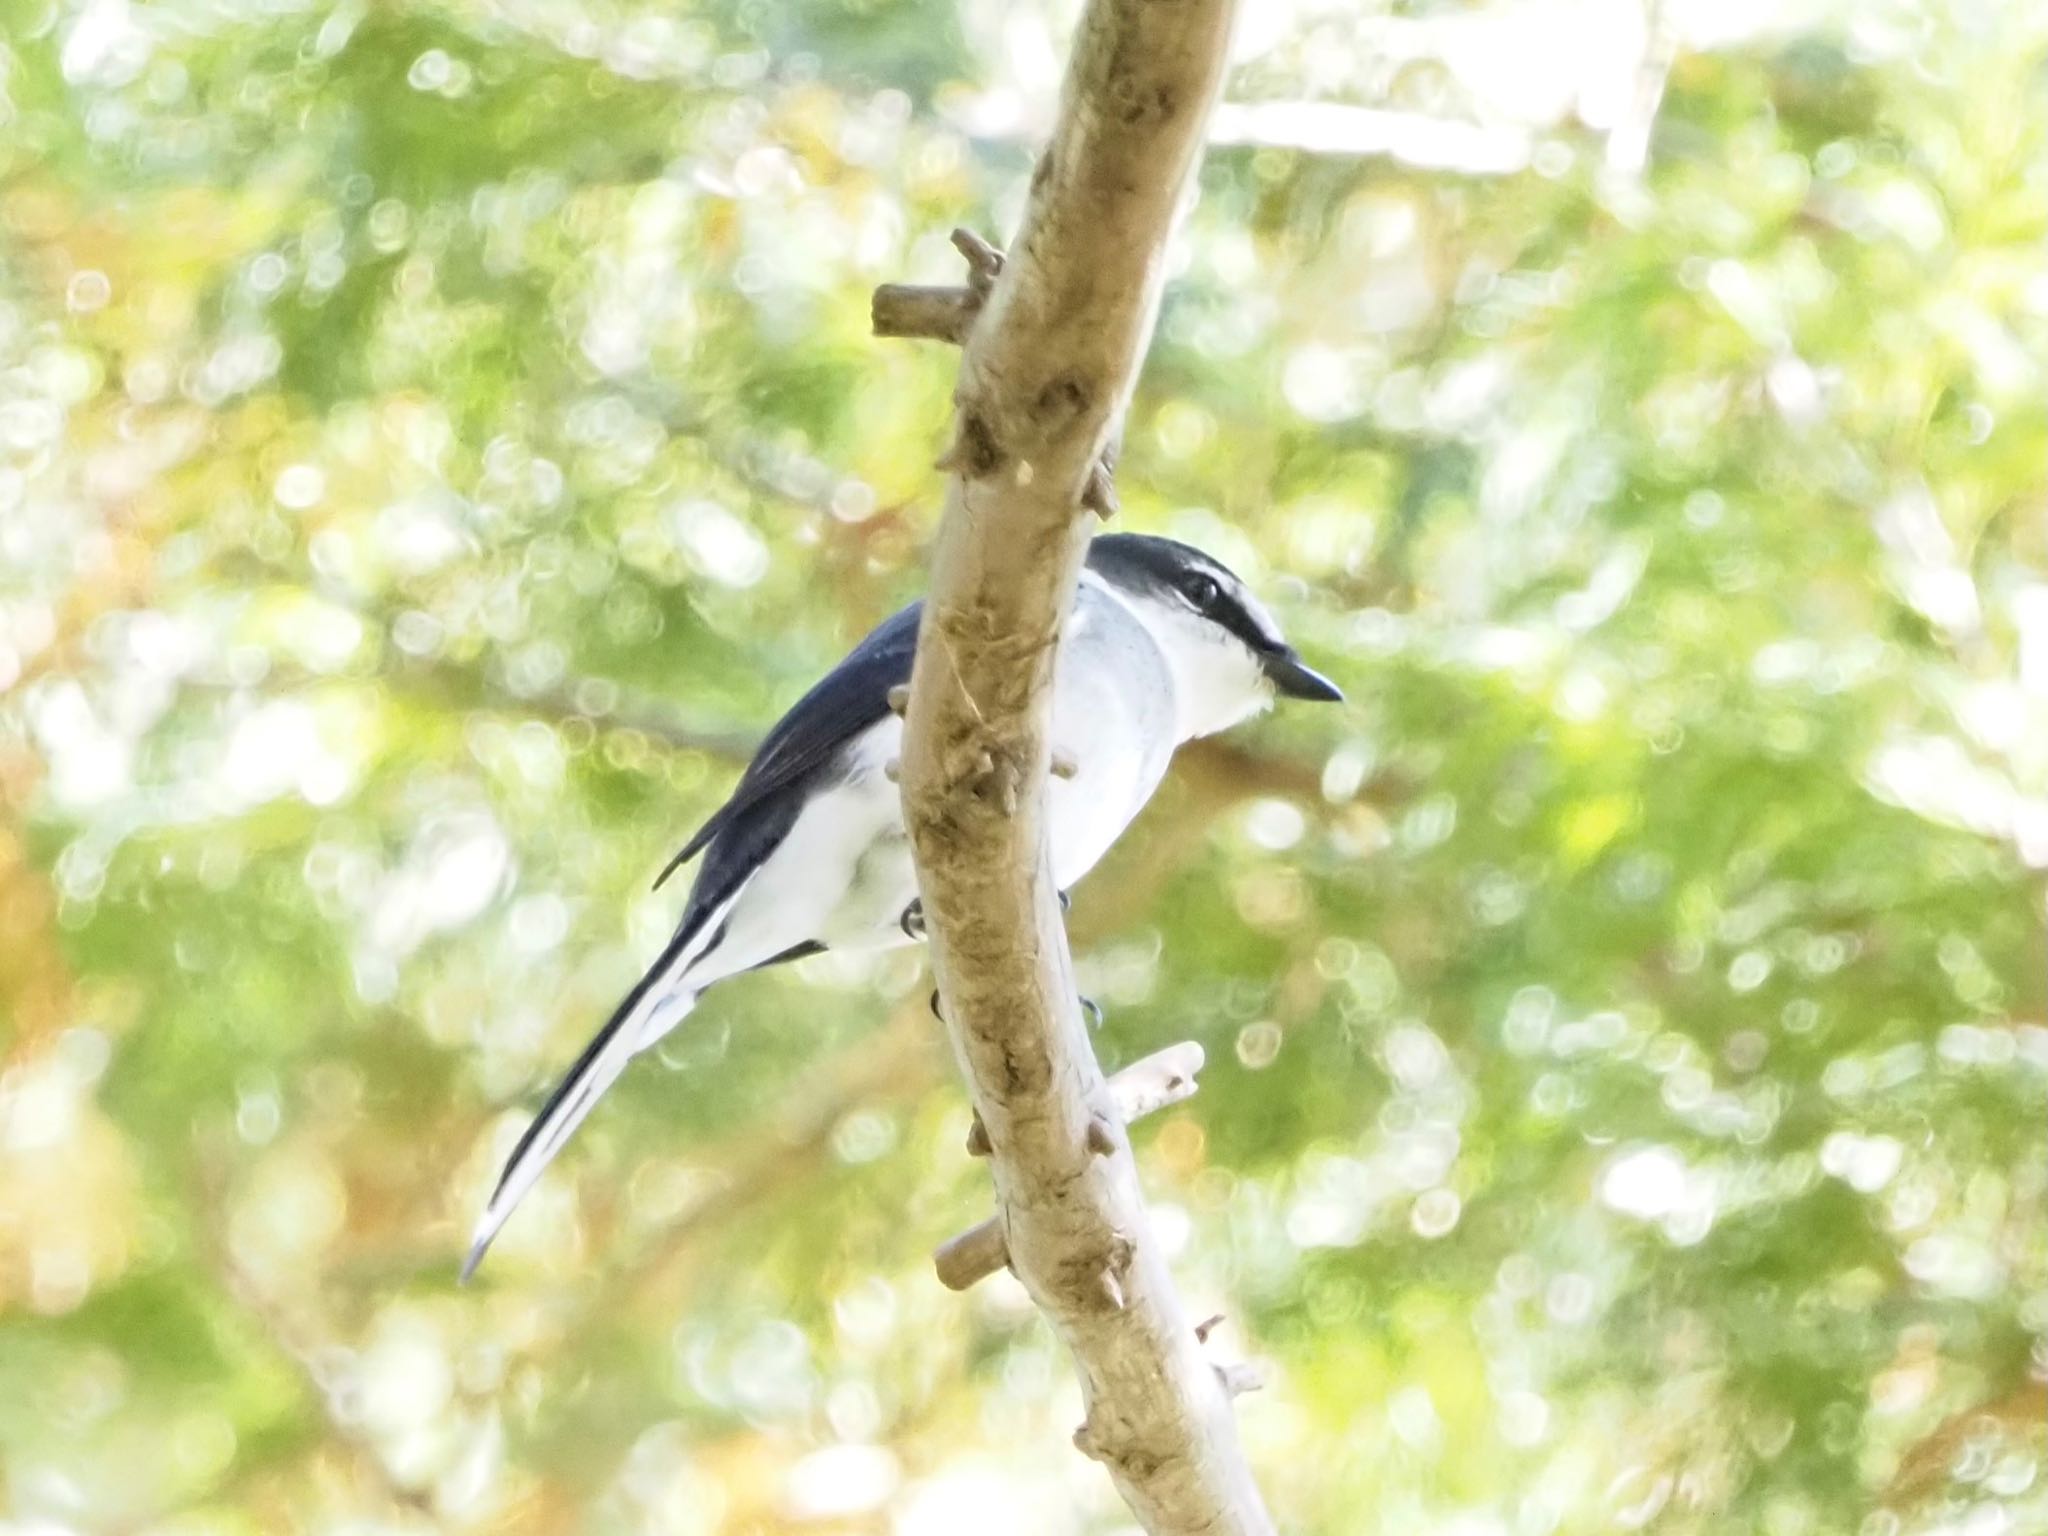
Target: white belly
[843, 875]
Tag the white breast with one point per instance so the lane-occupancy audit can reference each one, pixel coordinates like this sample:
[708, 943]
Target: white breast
[1113, 718]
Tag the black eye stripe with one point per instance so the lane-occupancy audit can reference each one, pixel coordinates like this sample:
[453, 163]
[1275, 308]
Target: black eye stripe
[1228, 614]
[1164, 569]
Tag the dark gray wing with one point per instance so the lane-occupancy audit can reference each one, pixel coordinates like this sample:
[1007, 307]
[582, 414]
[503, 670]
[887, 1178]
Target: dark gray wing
[806, 743]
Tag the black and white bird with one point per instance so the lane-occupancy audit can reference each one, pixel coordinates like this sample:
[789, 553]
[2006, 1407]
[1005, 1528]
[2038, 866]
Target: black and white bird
[1163, 644]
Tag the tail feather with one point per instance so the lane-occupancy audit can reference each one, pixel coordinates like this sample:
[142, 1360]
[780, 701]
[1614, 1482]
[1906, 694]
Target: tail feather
[625, 1033]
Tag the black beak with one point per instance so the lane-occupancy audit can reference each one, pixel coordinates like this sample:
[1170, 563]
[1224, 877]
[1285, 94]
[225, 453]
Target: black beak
[1294, 678]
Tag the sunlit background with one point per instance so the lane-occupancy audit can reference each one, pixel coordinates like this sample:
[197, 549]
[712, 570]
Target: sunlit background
[438, 436]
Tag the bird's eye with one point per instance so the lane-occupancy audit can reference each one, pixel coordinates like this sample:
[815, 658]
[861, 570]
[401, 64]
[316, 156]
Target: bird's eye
[1201, 590]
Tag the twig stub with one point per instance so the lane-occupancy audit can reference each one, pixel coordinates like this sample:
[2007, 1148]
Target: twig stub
[1163, 1078]
[984, 261]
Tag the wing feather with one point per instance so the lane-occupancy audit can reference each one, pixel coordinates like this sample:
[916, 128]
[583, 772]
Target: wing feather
[806, 741]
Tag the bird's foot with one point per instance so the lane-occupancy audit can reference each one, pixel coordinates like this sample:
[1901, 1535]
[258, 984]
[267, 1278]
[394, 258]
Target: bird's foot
[1066, 901]
[912, 921]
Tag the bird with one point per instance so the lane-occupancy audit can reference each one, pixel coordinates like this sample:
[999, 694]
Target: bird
[1163, 643]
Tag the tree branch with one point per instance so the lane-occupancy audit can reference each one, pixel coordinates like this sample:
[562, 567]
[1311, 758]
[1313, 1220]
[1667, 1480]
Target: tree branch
[1049, 363]
[914, 312]
[1163, 1078]
[908, 311]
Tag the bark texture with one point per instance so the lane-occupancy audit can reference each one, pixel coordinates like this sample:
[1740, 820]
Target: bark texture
[1163, 1078]
[1049, 361]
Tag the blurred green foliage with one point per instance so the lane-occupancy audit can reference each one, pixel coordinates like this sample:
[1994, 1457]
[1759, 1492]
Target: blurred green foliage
[436, 436]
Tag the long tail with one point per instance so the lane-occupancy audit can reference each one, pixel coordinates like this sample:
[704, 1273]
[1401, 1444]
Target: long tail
[654, 1006]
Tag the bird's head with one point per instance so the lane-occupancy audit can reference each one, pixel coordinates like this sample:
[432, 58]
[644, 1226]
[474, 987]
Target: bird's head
[1226, 653]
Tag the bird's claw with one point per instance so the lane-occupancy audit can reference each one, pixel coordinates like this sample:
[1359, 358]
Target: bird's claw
[912, 921]
[1091, 1010]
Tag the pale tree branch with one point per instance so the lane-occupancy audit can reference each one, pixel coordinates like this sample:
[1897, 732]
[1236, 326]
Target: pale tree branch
[1049, 362]
[1163, 1078]
[911, 312]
